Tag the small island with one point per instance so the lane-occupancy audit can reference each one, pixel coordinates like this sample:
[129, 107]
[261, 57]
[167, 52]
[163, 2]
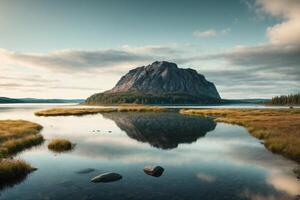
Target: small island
[161, 83]
[60, 145]
[87, 111]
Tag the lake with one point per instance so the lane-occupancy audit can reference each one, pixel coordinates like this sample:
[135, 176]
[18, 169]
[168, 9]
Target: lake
[202, 159]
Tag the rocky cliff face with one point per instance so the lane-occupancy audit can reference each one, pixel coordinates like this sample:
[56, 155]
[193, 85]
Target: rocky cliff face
[159, 83]
[165, 77]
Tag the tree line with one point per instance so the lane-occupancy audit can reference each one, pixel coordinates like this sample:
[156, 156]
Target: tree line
[292, 99]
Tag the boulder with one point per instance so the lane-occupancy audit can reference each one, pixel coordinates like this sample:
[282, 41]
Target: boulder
[106, 177]
[156, 171]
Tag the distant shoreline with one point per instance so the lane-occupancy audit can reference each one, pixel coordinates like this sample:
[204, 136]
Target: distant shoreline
[7, 100]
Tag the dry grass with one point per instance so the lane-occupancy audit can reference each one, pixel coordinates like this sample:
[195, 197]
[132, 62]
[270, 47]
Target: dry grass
[17, 135]
[12, 171]
[60, 145]
[279, 128]
[86, 111]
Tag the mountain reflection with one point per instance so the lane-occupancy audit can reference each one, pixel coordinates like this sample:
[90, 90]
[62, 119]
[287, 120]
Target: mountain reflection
[162, 130]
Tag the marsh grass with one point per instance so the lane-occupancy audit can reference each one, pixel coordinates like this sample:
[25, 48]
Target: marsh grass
[17, 135]
[60, 145]
[279, 128]
[12, 171]
[86, 111]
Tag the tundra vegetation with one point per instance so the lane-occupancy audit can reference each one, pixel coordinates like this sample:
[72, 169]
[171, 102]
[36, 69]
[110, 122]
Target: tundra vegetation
[15, 136]
[86, 111]
[60, 145]
[278, 128]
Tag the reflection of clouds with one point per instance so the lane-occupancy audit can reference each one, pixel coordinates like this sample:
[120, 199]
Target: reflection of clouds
[206, 177]
[279, 170]
[283, 182]
[257, 196]
[230, 144]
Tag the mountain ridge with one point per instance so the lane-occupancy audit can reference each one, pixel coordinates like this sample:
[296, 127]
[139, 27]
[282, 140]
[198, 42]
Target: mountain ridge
[161, 82]
[165, 77]
[4, 100]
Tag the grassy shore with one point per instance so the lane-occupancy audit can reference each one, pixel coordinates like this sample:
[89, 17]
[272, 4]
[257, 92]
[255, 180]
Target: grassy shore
[60, 145]
[13, 171]
[15, 136]
[279, 128]
[86, 111]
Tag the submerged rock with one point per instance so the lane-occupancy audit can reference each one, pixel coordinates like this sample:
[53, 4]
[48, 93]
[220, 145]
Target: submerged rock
[106, 177]
[33, 169]
[154, 171]
[85, 171]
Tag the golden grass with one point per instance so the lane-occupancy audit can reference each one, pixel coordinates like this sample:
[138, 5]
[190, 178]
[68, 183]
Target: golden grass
[17, 135]
[12, 171]
[279, 128]
[86, 111]
[60, 145]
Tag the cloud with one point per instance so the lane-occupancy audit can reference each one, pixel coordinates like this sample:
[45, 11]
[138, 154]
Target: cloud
[171, 49]
[206, 177]
[281, 54]
[207, 33]
[74, 60]
[262, 67]
[288, 31]
[111, 60]
[211, 32]
[282, 59]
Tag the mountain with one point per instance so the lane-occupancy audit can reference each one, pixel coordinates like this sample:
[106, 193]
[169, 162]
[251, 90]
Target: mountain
[33, 100]
[159, 83]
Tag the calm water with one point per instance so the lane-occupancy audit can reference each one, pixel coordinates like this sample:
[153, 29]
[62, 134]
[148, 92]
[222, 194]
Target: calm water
[202, 159]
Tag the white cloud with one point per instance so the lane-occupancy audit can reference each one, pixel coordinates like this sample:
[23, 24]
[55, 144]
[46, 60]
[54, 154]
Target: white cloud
[211, 32]
[207, 33]
[107, 60]
[288, 31]
[67, 61]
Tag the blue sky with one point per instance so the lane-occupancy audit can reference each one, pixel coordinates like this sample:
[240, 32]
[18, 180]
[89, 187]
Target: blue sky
[71, 49]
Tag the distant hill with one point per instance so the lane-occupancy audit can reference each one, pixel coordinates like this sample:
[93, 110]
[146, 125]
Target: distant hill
[33, 100]
[159, 83]
[245, 101]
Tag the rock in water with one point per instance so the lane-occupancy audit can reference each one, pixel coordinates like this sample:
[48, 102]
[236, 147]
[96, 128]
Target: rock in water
[85, 171]
[106, 177]
[154, 171]
[161, 83]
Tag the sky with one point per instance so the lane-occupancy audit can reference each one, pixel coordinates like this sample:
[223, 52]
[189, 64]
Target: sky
[74, 48]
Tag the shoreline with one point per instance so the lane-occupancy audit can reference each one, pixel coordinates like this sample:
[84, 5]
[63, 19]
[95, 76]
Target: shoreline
[279, 129]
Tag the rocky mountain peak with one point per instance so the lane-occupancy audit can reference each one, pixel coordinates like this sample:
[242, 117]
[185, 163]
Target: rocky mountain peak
[165, 77]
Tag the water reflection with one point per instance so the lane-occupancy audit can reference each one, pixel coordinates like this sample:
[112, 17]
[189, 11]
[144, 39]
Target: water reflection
[225, 164]
[7, 184]
[164, 130]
